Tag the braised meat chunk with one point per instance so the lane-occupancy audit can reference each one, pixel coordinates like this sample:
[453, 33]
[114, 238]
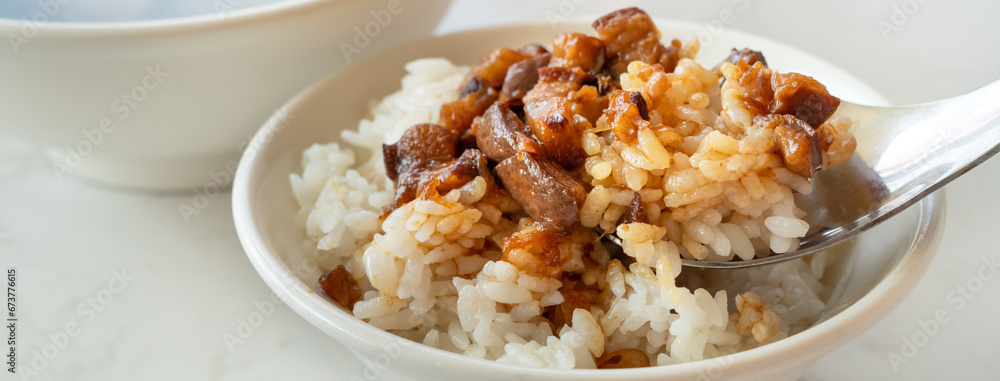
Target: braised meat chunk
[546, 191]
[340, 286]
[798, 144]
[535, 251]
[630, 35]
[626, 114]
[557, 81]
[552, 122]
[459, 115]
[578, 50]
[746, 55]
[522, 76]
[636, 212]
[420, 144]
[492, 68]
[802, 96]
[501, 134]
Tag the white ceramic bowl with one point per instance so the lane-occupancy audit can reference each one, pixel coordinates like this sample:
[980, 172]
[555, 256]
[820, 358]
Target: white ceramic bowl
[876, 272]
[170, 104]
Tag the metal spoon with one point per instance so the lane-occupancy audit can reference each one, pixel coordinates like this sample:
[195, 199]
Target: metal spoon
[904, 154]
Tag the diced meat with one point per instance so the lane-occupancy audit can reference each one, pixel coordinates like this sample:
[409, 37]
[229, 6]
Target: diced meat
[532, 50]
[419, 144]
[624, 358]
[626, 115]
[572, 299]
[557, 81]
[501, 134]
[802, 96]
[340, 286]
[492, 68]
[546, 191]
[797, 143]
[630, 35]
[636, 212]
[460, 114]
[522, 76]
[535, 251]
[551, 120]
[756, 83]
[432, 178]
[588, 103]
[456, 173]
[578, 50]
[746, 55]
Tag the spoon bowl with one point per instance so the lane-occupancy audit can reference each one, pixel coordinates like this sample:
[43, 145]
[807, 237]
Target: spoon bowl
[904, 154]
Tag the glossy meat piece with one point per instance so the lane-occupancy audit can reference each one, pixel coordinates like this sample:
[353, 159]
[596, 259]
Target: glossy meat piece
[492, 69]
[419, 144]
[746, 55]
[630, 35]
[572, 299]
[532, 50]
[756, 83]
[340, 286]
[798, 144]
[557, 81]
[588, 103]
[578, 50]
[535, 251]
[625, 114]
[501, 134]
[522, 76]
[636, 212]
[460, 114]
[623, 358]
[802, 96]
[551, 120]
[546, 191]
[431, 178]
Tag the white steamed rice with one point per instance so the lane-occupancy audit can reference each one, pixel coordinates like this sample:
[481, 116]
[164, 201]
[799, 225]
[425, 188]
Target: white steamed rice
[428, 274]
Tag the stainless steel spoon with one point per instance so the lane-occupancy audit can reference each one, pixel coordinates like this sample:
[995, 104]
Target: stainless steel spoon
[904, 154]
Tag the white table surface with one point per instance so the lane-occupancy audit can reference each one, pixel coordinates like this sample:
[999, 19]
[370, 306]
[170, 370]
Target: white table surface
[191, 286]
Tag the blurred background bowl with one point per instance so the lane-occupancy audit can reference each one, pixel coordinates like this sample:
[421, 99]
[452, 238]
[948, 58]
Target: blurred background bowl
[870, 277]
[165, 95]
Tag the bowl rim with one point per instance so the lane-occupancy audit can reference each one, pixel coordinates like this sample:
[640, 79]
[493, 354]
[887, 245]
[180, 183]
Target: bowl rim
[809, 344]
[75, 30]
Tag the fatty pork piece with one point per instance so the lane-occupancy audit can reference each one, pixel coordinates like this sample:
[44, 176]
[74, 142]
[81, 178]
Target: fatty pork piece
[630, 35]
[557, 81]
[746, 55]
[546, 191]
[484, 83]
[570, 83]
[578, 50]
[500, 134]
[521, 77]
[491, 70]
[552, 121]
[459, 115]
[422, 147]
[802, 96]
[420, 144]
[767, 92]
[636, 212]
[797, 143]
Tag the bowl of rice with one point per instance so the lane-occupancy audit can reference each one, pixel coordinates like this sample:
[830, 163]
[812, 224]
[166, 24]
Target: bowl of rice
[453, 281]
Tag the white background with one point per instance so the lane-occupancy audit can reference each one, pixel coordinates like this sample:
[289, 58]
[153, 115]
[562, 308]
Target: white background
[192, 283]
